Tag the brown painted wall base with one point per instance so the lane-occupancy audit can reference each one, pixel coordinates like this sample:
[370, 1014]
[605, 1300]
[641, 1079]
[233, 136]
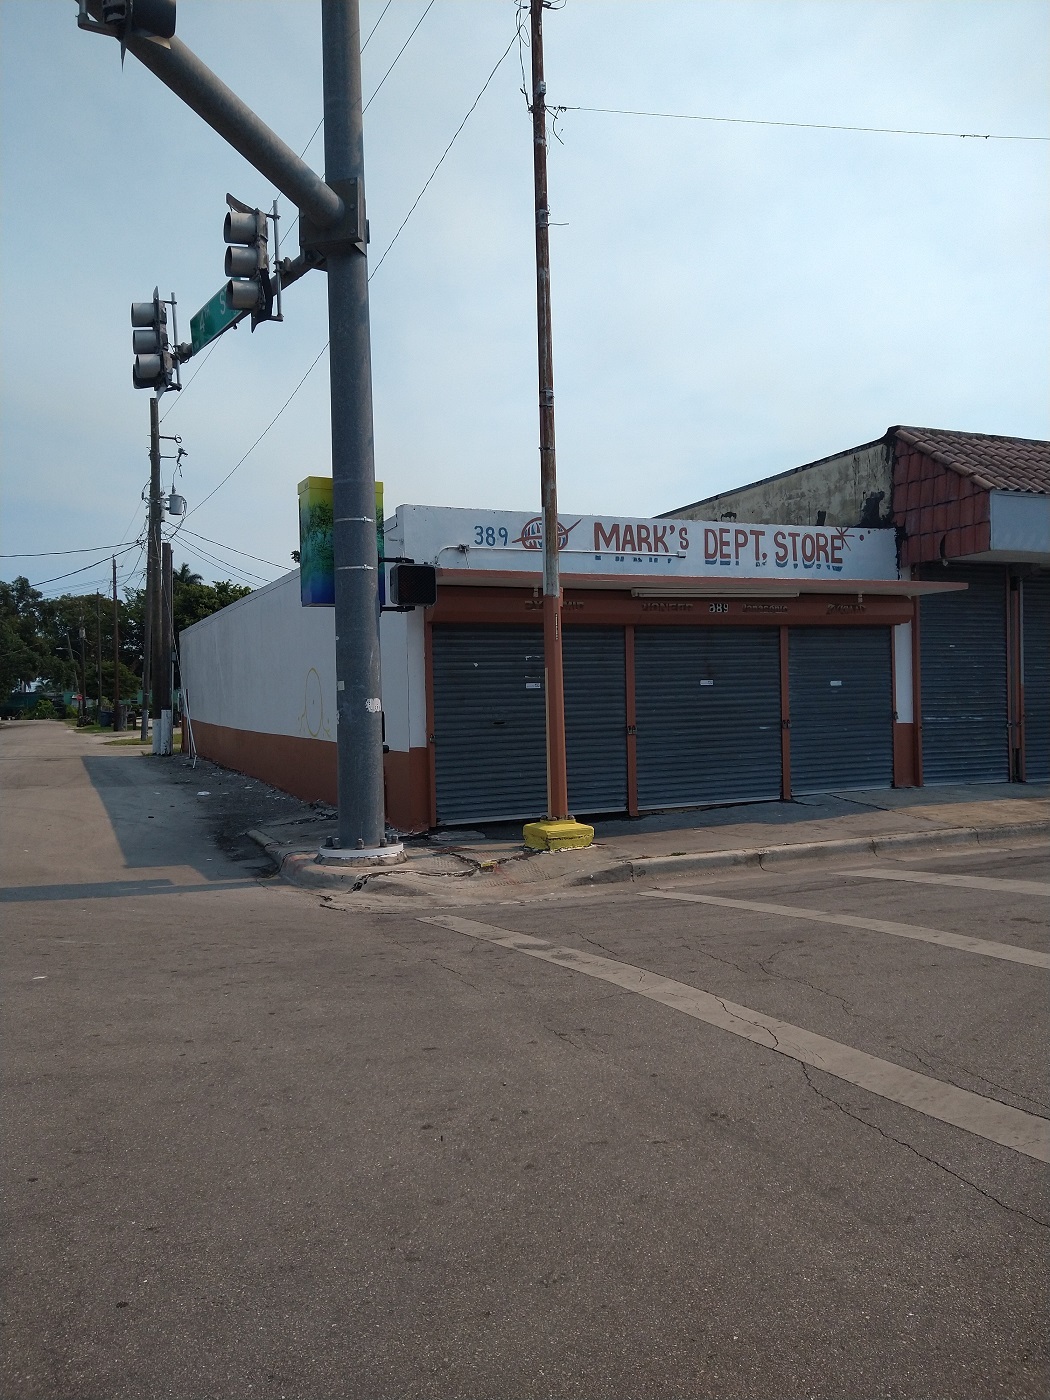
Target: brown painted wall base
[304, 767]
[407, 786]
[307, 769]
[905, 772]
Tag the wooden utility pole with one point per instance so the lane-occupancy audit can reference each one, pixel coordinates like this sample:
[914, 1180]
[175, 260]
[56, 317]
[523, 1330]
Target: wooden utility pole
[98, 656]
[116, 651]
[82, 719]
[162, 680]
[554, 689]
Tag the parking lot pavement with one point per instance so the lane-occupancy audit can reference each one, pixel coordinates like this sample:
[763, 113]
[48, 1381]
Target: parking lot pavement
[606, 1142]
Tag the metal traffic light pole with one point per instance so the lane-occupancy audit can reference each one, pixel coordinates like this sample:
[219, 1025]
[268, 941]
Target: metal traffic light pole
[332, 226]
[359, 708]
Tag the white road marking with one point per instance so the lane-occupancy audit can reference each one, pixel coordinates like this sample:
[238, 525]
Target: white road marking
[1010, 1127]
[1007, 951]
[968, 882]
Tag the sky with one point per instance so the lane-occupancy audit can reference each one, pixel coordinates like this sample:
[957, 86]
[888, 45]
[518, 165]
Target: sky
[730, 299]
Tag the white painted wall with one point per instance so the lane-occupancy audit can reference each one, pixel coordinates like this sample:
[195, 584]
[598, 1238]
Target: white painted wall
[404, 679]
[266, 665]
[1020, 526]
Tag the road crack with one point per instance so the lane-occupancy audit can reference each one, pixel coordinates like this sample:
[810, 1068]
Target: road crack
[940, 1070]
[933, 1162]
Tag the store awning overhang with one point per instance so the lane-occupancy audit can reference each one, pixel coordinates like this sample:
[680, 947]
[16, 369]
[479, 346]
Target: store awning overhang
[702, 587]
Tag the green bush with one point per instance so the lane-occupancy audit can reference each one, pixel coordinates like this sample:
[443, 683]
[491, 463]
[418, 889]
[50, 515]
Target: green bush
[43, 709]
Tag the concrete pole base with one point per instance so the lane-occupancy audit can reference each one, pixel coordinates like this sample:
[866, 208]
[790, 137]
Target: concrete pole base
[162, 734]
[392, 854]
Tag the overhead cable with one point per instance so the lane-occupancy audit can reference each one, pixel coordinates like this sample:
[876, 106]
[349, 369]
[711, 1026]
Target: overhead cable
[373, 272]
[448, 148]
[247, 575]
[808, 126]
[48, 553]
[259, 439]
[229, 547]
[93, 565]
[400, 51]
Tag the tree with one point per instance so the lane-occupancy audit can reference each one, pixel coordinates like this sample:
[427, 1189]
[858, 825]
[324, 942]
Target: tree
[27, 618]
[40, 637]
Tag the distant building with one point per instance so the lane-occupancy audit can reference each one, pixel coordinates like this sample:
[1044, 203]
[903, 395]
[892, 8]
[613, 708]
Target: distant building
[971, 507]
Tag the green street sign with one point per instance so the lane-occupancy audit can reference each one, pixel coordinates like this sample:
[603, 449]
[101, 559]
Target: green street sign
[212, 319]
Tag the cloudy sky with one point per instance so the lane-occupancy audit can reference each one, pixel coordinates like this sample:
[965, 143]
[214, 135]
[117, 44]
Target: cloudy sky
[730, 300]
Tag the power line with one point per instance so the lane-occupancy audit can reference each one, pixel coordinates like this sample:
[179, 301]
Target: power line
[218, 564]
[102, 577]
[448, 148]
[375, 26]
[259, 439]
[131, 522]
[302, 155]
[49, 553]
[400, 51]
[250, 578]
[374, 270]
[364, 46]
[229, 547]
[292, 225]
[193, 376]
[808, 126]
[93, 565]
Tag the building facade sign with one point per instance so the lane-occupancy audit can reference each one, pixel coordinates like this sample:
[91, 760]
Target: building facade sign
[510, 542]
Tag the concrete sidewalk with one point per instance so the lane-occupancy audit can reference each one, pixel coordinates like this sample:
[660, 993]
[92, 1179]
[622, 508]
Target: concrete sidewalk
[482, 864]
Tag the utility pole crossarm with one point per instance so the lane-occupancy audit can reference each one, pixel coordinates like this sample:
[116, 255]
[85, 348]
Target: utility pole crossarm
[182, 71]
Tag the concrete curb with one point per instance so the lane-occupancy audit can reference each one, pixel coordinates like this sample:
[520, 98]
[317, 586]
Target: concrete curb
[889, 844]
[302, 868]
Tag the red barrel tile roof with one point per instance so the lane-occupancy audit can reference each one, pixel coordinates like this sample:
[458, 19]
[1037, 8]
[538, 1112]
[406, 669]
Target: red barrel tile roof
[994, 463]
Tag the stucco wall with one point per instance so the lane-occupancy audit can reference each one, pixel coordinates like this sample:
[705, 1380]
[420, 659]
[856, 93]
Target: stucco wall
[266, 665]
[838, 485]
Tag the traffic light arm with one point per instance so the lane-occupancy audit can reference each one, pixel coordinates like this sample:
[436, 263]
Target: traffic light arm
[181, 70]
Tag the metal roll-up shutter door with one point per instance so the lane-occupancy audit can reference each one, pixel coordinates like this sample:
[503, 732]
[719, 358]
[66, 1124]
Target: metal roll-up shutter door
[1035, 611]
[490, 751]
[595, 718]
[841, 688]
[708, 713]
[963, 658]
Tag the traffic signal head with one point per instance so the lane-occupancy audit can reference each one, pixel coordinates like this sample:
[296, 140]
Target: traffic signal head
[413, 585]
[247, 260]
[154, 364]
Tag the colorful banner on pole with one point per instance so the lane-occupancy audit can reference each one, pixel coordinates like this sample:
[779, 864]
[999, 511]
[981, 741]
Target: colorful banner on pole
[316, 563]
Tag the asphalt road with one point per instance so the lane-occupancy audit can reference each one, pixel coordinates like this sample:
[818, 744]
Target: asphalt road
[605, 1143]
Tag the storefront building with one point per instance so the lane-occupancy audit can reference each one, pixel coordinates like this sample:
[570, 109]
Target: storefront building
[968, 507]
[705, 662]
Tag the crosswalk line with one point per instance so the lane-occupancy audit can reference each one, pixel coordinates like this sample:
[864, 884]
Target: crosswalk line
[966, 882]
[1008, 952]
[1010, 1127]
